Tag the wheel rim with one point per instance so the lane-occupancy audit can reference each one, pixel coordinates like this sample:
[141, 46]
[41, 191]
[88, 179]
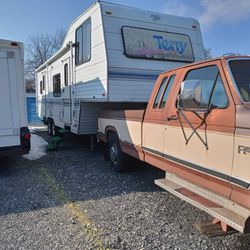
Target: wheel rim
[114, 153]
[49, 128]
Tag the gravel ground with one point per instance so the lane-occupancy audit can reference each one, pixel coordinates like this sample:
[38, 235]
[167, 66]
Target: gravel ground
[71, 199]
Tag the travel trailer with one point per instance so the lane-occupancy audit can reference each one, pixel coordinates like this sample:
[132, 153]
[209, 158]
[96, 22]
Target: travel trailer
[110, 58]
[196, 128]
[14, 132]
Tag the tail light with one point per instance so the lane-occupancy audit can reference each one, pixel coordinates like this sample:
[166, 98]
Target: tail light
[26, 136]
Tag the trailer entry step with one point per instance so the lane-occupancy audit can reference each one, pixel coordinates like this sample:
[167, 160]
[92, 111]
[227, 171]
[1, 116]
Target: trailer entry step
[63, 131]
[55, 141]
[221, 208]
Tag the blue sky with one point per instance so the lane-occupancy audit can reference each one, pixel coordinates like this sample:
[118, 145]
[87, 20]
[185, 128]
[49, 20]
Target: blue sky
[225, 23]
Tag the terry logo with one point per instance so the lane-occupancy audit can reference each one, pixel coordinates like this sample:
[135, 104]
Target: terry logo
[243, 149]
[170, 45]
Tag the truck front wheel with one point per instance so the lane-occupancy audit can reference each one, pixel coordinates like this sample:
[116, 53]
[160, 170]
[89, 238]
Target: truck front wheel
[116, 156]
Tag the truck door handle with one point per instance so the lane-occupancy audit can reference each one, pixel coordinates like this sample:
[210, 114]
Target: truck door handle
[172, 118]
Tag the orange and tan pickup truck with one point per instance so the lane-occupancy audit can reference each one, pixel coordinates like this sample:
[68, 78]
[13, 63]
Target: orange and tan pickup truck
[196, 128]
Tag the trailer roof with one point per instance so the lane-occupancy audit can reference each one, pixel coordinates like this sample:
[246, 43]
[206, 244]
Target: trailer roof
[104, 3]
[10, 43]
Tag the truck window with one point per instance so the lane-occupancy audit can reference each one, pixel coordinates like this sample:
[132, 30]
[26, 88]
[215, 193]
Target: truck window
[66, 74]
[159, 93]
[166, 92]
[83, 43]
[241, 75]
[219, 98]
[57, 85]
[211, 81]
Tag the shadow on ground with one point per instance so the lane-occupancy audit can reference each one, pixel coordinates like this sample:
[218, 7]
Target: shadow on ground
[72, 171]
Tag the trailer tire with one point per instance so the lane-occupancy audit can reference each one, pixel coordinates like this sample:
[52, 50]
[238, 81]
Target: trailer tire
[52, 128]
[116, 156]
[49, 127]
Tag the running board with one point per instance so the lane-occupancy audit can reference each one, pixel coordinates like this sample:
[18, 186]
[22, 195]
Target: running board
[227, 211]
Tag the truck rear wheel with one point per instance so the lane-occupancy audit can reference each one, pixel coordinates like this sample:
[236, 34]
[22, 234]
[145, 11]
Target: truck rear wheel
[116, 156]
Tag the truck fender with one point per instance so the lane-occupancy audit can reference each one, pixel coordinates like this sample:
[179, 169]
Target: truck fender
[110, 129]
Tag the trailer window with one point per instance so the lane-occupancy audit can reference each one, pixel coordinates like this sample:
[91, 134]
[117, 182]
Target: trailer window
[166, 92]
[66, 74]
[156, 45]
[41, 87]
[57, 85]
[83, 43]
[159, 93]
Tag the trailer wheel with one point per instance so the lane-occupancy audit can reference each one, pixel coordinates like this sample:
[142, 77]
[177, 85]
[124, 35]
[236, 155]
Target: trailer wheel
[116, 156]
[52, 128]
[49, 127]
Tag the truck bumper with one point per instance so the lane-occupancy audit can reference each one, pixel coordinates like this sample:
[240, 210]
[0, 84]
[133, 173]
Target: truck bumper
[13, 150]
[21, 149]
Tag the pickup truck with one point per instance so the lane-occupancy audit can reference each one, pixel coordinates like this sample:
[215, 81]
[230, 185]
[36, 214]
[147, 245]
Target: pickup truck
[196, 128]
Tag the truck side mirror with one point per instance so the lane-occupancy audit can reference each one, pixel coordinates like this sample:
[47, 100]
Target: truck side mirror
[190, 98]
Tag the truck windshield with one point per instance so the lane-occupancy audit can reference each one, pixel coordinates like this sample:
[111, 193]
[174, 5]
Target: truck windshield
[241, 73]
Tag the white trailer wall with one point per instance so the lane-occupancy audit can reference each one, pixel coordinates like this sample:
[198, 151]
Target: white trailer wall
[132, 79]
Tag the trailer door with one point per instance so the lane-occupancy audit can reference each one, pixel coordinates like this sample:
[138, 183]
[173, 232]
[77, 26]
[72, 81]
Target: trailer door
[66, 93]
[9, 125]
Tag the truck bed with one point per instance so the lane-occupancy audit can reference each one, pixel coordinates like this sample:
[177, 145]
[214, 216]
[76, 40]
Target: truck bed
[126, 123]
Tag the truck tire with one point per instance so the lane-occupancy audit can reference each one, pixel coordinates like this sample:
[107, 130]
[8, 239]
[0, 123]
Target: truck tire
[116, 156]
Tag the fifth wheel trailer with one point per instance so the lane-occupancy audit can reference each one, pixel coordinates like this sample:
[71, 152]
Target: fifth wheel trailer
[110, 59]
[14, 132]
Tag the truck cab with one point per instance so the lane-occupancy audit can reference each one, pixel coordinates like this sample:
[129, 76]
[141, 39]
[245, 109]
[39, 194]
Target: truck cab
[197, 129]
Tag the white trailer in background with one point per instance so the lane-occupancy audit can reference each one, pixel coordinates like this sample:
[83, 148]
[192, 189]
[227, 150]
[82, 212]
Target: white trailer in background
[14, 132]
[110, 58]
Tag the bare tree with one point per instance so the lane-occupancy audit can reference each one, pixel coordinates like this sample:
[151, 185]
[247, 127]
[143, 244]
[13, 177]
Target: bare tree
[39, 49]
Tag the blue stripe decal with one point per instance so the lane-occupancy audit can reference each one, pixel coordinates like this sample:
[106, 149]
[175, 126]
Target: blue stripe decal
[113, 74]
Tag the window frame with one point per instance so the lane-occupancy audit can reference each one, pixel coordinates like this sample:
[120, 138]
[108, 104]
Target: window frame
[77, 63]
[163, 84]
[169, 78]
[156, 59]
[55, 94]
[213, 87]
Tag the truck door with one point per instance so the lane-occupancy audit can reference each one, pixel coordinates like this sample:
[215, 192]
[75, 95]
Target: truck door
[208, 147]
[66, 93]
